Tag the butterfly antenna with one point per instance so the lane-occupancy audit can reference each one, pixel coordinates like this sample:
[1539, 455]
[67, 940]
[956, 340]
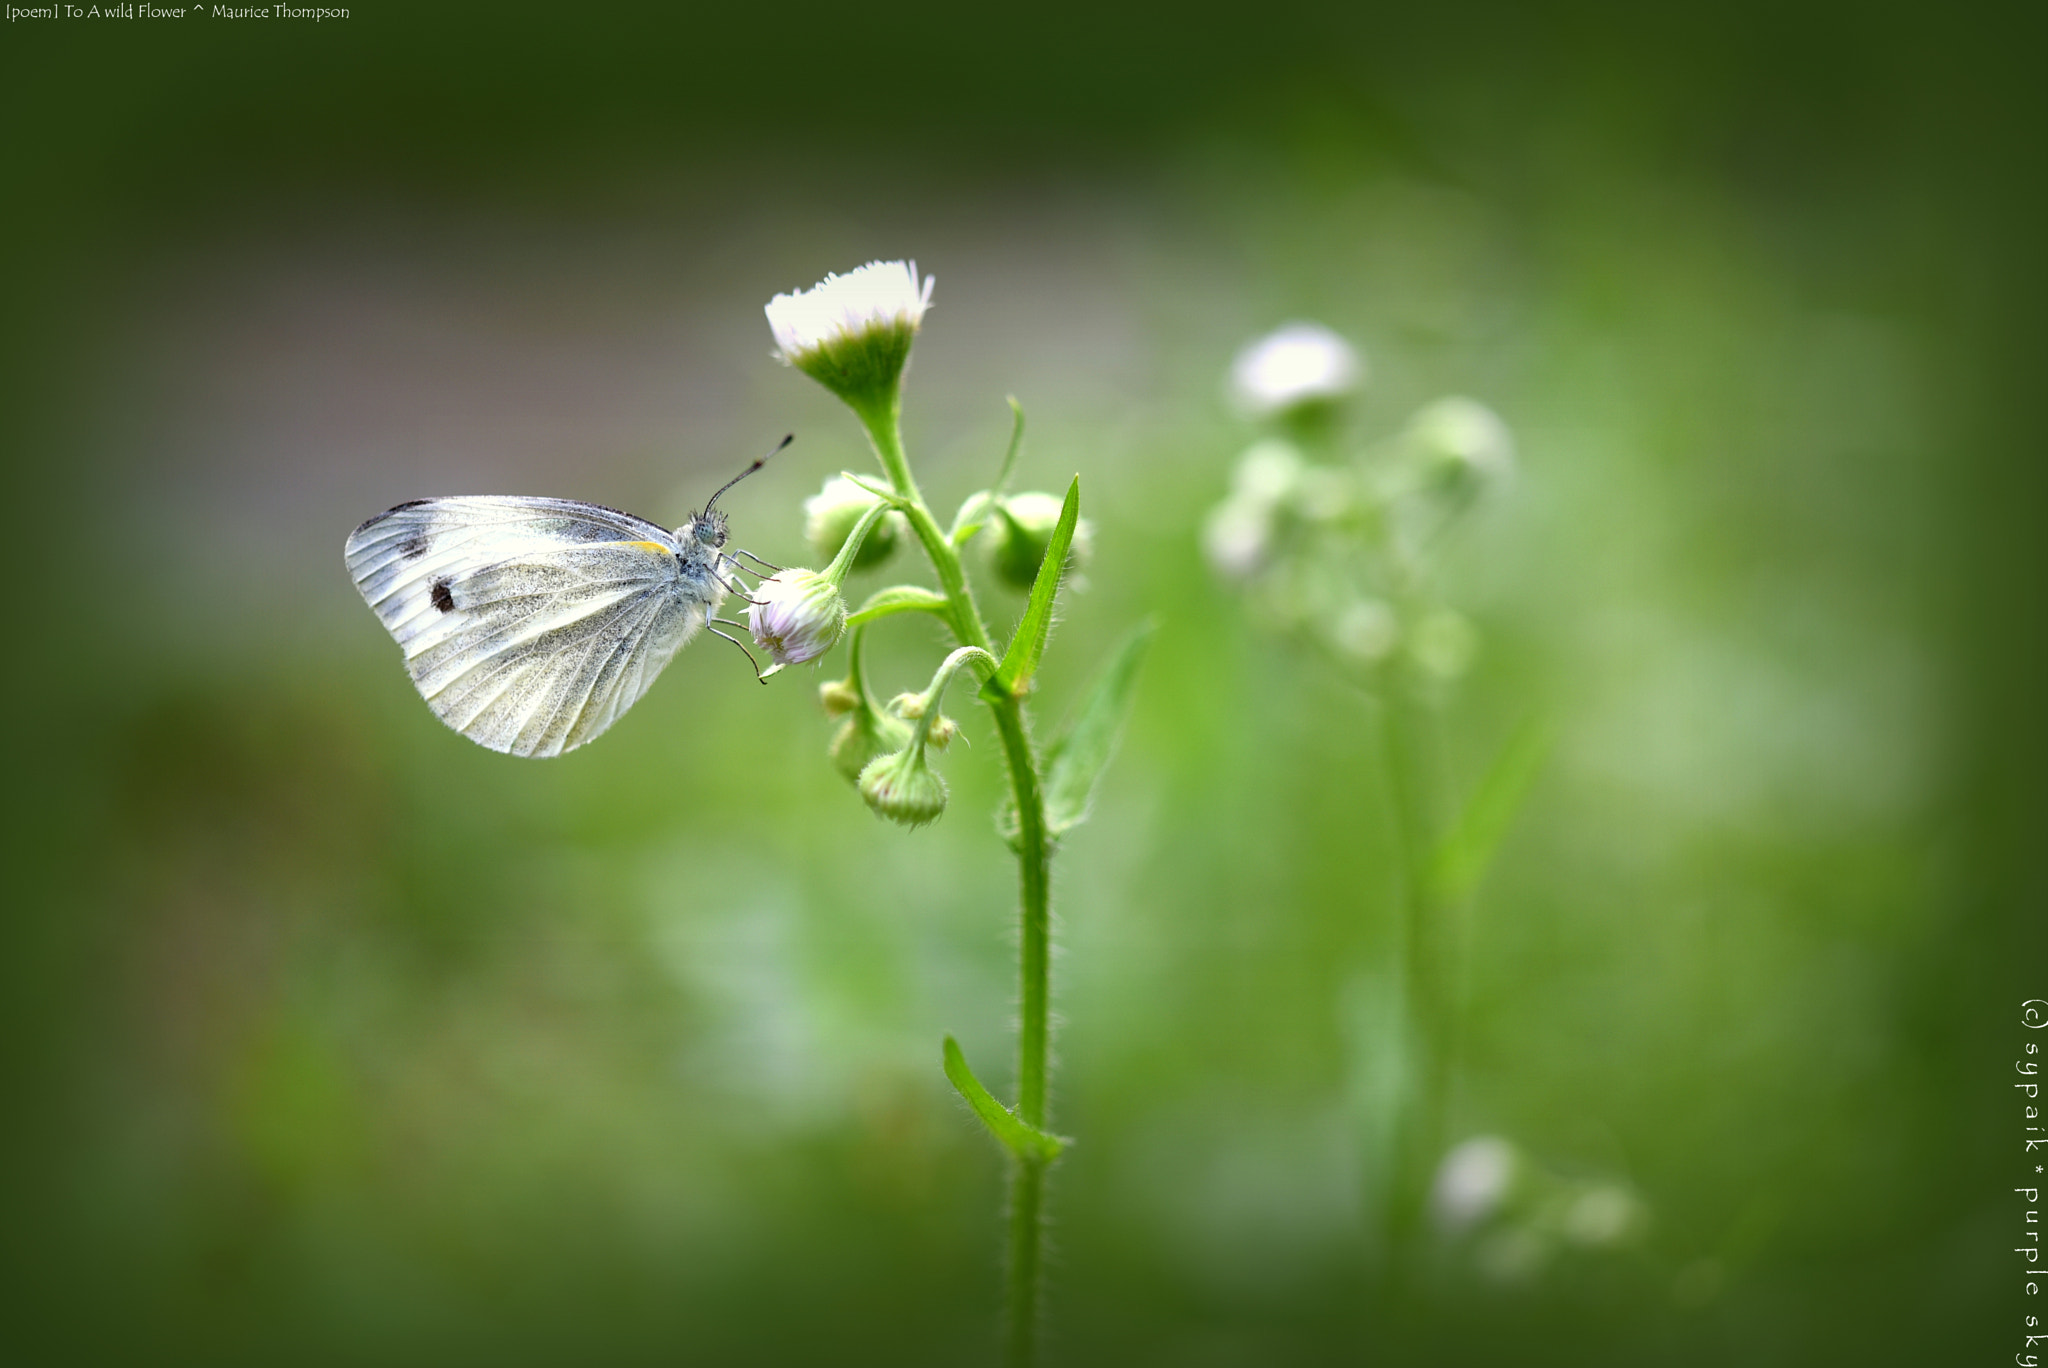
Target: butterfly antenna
[758, 463]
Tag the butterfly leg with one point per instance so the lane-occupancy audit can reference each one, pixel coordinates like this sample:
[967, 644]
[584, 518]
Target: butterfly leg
[773, 568]
[738, 590]
[743, 650]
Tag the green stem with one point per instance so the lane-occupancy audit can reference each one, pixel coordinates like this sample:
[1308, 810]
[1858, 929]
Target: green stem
[1424, 963]
[1034, 866]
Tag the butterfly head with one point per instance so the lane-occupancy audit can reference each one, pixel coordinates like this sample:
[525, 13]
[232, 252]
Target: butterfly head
[705, 529]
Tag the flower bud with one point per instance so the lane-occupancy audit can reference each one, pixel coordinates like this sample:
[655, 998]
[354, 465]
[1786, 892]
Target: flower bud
[903, 788]
[838, 697]
[1269, 473]
[1366, 632]
[1237, 537]
[852, 333]
[1022, 529]
[1474, 1182]
[830, 516]
[941, 733]
[908, 706]
[1462, 444]
[864, 735]
[797, 615]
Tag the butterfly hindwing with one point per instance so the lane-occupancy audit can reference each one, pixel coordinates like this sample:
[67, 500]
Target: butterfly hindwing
[529, 625]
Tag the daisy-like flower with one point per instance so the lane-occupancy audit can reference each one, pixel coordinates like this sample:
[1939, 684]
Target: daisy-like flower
[852, 333]
[797, 615]
[1300, 363]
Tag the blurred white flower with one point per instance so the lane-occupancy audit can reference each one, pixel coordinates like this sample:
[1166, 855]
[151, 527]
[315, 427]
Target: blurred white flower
[1366, 631]
[880, 295]
[1603, 1214]
[1473, 1181]
[1465, 438]
[1296, 364]
[1268, 472]
[1236, 537]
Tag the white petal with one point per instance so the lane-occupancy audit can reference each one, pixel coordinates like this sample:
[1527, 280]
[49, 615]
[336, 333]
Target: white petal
[879, 293]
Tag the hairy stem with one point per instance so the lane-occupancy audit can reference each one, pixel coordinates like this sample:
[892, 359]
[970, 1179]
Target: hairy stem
[1034, 869]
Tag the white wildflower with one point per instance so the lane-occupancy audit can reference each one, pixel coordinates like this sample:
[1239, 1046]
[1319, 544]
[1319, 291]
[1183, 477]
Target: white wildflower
[1473, 1181]
[880, 296]
[1297, 364]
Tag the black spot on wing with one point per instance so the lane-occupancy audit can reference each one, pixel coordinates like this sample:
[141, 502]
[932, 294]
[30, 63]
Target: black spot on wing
[443, 600]
[414, 546]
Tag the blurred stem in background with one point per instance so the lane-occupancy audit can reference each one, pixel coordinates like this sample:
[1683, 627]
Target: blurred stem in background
[1428, 943]
[1338, 550]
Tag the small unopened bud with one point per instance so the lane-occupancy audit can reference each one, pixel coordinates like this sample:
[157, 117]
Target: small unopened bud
[1366, 631]
[1474, 1182]
[838, 697]
[830, 516]
[1268, 473]
[1021, 531]
[903, 788]
[864, 735]
[1237, 537]
[797, 615]
[908, 706]
[942, 732]
[1462, 443]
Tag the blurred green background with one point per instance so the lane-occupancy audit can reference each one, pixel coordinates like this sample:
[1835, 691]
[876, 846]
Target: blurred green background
[330, 1037]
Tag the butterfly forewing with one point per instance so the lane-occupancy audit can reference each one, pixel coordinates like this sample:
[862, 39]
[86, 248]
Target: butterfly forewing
[529, 625]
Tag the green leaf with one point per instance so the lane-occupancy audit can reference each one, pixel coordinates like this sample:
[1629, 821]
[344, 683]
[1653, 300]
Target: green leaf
[1077, 759]
[1461, 859]
[897, 598]
[1018, 1136]
[1020, 662]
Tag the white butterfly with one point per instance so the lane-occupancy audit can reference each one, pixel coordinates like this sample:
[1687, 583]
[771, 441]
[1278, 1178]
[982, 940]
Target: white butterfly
[531, 625]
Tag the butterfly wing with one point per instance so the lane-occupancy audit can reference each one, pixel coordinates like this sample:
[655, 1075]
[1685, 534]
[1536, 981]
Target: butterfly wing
[529, 625]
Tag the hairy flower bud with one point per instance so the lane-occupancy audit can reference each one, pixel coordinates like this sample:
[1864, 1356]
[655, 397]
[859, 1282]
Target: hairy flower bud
[830, 516]
[1022, 529]
[797, 615]
[903, 788]
[864, 735]
[838, 697]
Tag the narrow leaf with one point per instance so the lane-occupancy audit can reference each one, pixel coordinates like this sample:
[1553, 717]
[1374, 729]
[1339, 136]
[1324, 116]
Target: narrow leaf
[1469, 847]
[1018, 1136]
[1020, 662]
[1077, 759]
[897, 598]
